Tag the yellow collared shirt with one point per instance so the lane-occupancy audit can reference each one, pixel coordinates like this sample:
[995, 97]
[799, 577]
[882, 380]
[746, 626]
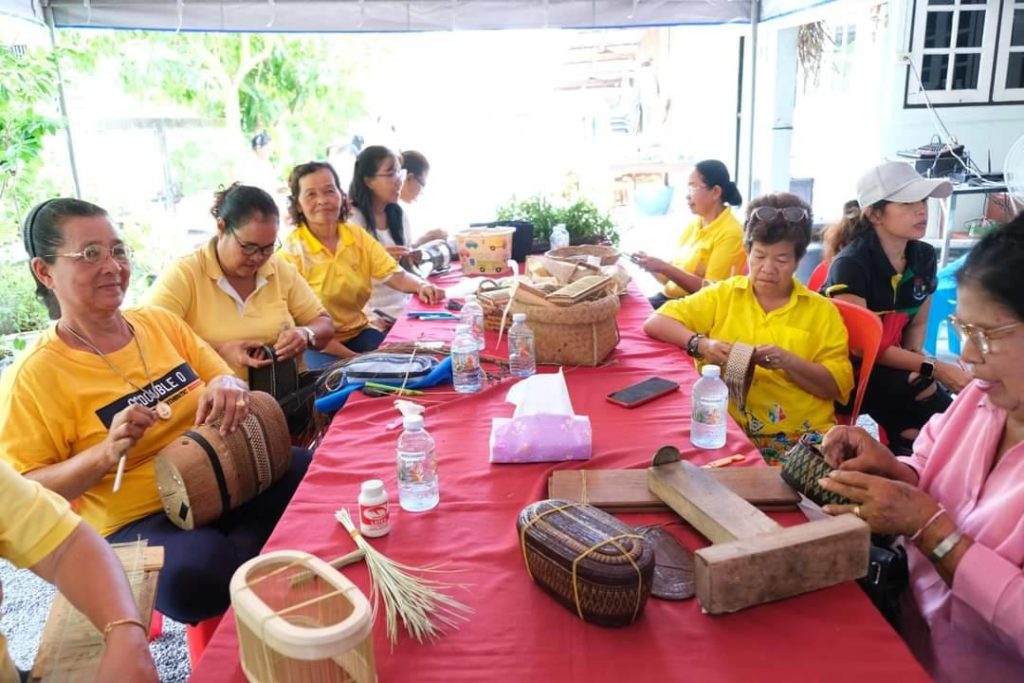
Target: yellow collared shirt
[713, 252]
[341, 279]
[809, 325]
[195, 289]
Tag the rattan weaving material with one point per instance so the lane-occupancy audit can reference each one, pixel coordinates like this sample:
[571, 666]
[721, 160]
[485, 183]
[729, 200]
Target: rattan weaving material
[739, 373]
[803, 468]
[592, 563]
[196, 488]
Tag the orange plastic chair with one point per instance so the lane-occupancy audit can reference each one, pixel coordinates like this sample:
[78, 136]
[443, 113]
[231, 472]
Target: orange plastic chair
[818, 275]
[864, 329]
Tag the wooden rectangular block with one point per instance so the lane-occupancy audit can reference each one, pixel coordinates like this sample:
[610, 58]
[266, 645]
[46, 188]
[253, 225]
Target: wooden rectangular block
[626, 490]
[709, 507]
[771, 566]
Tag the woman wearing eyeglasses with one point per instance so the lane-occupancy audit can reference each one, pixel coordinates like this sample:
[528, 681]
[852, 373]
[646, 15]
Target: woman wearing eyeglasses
[885, 267]
[801, 355]
[959, 498]
[711, 247]
[339, 261]
[236, 295]
[106, 386]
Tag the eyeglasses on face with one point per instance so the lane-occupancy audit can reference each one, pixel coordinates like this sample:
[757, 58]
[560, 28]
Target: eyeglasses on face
[979, 336]
[250, 249]
[96, 253]
[691, 189]
[394, 174]
[790, 214]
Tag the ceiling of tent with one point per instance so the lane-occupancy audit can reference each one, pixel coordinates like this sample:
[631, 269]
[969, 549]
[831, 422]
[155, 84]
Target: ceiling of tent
[378, 15]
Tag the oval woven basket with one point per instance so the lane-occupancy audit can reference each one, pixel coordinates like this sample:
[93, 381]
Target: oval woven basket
[581, 334]
[608, 255]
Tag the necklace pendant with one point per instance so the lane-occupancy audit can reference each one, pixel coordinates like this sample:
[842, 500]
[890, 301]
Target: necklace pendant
[163, 411]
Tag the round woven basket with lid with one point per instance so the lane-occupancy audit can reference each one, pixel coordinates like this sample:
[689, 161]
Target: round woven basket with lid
[608, 255]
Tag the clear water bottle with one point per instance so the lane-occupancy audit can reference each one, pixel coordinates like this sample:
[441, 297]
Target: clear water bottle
[472, 315]
[710, 408]
[467, 375]
[559, 236]
[522, 360]
[417, 467]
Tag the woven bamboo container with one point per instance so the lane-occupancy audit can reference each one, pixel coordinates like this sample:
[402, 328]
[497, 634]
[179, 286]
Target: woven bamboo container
[608, 255]
[598, 567]
[201, 474]
[803, 468]
[581, 334]
[300, 620]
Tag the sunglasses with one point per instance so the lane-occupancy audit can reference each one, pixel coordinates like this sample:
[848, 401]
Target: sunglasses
[790, 214]
[979, 336]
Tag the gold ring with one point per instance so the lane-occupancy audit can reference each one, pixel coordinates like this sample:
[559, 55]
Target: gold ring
[240, 403]
[856, 510]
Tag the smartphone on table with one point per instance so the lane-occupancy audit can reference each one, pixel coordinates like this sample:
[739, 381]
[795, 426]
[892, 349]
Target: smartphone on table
[642, 392]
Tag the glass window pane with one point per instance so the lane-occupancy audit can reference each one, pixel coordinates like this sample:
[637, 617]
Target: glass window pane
[851, 31]
[970, 29]
[933, 71]
[1017, 32]
[940, 2]
[973, 2]
[1015, 70]
[938, 29]
[965, 71]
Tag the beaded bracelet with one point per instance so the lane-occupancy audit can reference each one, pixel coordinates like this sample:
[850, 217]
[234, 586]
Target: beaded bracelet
[122, 622]
[917, 534]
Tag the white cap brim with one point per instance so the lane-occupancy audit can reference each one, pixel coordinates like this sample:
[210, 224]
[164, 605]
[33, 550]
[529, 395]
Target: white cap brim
[921, 188]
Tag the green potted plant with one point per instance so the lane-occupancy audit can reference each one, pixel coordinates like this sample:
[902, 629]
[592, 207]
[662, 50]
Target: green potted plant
[585, 223]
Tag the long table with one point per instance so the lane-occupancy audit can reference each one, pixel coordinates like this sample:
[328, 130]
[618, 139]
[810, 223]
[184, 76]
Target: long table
[518, 632]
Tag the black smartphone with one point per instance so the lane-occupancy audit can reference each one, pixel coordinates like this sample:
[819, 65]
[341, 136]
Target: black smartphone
[390, 320]
[642, 392]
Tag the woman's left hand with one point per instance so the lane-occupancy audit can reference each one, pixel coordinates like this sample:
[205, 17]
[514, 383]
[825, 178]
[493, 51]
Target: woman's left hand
[772, 357]
[429, 294]
[290, 343]
[889, 507]
[226, 397]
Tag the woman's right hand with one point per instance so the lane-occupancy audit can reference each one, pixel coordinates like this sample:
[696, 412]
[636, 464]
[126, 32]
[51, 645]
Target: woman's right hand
[951, 376]
[397, 252]
[853, 449]
[126, 429]
[652, 264]
[246, 353]
[714, 351]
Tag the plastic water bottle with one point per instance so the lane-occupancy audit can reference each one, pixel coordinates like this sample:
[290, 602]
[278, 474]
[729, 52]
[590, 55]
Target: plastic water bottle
[710, 407]
[417, 467]
[559, 236]
[467, 375]
[522, 360]
[472, 315]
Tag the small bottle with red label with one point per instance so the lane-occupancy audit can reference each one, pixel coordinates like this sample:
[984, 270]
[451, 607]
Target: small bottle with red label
[374, 515]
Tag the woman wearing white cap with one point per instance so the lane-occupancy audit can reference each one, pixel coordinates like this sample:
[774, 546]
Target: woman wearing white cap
[885, 267]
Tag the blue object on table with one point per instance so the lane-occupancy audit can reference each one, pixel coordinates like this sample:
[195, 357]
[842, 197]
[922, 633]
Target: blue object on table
[334, 401]
[432, 315]
[943, 304]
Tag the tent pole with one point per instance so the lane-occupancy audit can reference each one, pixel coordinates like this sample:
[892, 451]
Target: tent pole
[63, 103]
[755, 19]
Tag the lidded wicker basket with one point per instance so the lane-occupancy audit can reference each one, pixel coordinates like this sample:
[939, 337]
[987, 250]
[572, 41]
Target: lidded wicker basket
[299, 619]
[607, 255]
[581, 334]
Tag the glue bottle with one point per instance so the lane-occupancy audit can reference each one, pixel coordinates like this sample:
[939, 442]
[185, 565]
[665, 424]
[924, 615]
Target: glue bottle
[374, 513]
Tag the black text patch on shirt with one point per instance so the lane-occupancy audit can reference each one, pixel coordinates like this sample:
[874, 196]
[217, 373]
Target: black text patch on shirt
[169, 388]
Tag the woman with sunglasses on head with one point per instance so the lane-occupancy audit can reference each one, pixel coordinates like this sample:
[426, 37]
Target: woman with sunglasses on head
[340, 261]
[104, 390]
[799, 339]
[885, 267]
[959, 498]
[236, 295]
[711, 247]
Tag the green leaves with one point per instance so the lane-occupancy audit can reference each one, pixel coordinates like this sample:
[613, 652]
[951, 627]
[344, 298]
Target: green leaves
[582, 219]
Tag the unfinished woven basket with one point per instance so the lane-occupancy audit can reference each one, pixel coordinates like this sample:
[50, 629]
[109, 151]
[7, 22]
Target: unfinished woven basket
[608, 255]
[581, 334]
[803, 468]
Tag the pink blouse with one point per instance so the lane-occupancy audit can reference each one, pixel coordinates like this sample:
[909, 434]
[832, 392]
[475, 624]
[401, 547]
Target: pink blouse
[977, 626]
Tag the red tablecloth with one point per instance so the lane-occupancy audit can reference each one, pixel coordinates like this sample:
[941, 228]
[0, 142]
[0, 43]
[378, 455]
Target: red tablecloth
[517, 631]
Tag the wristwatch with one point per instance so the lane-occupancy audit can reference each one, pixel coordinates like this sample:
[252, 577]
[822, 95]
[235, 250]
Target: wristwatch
[927, 369]
[693, 346]
[946, 545]
[310, 336]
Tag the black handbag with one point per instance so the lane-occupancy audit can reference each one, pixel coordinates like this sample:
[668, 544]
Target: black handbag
[888, 576]
[295, 391]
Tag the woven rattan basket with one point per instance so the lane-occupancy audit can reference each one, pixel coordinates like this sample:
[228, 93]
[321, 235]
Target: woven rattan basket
[803, 468]
[592, 563]
[201, 474]
[608, 255]
[581, 334]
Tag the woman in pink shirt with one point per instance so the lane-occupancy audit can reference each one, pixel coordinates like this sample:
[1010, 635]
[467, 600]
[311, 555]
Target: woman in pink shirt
[959, 499]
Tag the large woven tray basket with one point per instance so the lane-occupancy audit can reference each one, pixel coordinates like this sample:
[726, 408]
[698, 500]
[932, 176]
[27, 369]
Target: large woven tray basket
[201, 474]
[598, 567]
[581, 334]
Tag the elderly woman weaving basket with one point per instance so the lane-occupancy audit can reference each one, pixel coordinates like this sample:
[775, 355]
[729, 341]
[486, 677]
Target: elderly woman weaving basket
[799, 340]
[105, 382]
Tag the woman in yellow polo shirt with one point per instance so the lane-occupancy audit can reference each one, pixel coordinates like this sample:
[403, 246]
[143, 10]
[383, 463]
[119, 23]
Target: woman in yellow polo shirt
[711, 246]
[236, 295]
[340, 261]
[803, 363]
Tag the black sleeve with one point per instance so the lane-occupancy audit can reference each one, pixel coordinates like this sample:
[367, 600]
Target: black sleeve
[846, 275]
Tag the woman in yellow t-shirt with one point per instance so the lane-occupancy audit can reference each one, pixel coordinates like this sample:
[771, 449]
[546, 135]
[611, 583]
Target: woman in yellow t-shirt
[340, 261]
[711, 246]
[801, 355]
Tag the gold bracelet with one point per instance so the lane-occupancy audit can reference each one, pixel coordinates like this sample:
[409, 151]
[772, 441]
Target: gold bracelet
[122, 622]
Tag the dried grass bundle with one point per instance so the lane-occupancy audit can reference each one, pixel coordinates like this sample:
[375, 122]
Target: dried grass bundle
[424, 609]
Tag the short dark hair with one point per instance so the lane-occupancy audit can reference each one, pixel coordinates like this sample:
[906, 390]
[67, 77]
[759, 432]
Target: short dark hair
[714, 173]
[996, 264]
[42, 233]
[237, 204]
[778, 229]
[300, 172]
[415, 163]
[260, 140]
[367, 164]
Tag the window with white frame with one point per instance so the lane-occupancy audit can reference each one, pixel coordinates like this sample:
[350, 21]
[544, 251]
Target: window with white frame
[843, 41]
[966, 52]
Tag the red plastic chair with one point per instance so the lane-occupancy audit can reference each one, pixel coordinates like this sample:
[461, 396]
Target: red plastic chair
[818, 275]
[865, 332]
[199, 636]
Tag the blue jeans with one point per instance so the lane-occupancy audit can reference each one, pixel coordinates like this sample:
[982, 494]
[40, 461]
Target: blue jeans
[367, 340]
[198, 564]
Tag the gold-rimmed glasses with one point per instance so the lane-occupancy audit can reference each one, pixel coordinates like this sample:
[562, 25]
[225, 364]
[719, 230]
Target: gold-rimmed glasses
[980, 336]
[95, 253]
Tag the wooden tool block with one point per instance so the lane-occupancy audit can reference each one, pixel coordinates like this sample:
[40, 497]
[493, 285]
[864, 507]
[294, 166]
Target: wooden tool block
[626, 490]
[711, 508]
[781, 564]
